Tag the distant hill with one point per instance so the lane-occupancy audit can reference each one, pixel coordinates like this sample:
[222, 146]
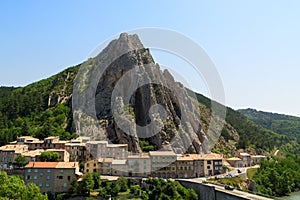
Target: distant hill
[250, 134]
[286, 125]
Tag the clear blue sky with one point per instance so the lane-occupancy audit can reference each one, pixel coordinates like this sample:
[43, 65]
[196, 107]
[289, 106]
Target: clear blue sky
[254, 44]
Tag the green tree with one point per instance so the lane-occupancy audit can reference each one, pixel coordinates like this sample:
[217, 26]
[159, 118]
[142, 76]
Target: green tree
[278, 177]
[115, 189]
[13, 187]
[46, 131]
[49, 156]
[73, 187]
[20, 161]
[123, 182]
[86, 185]
[97, 180]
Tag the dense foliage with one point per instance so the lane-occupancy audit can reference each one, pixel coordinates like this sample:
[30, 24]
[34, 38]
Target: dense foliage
[123, 188]
[35, 109]
[13, 187]
[250, 134]
[49, 156]
[279, 176]
[20, 161]
[286, 125]
[166, 189]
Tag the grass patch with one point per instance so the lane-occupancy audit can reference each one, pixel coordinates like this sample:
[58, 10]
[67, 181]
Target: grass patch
[251, 172]
[231, 181]
[235, 181]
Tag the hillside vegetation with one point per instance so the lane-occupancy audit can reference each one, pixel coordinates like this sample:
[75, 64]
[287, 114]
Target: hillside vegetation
[285, 125]
[40, 109]
[251, 134]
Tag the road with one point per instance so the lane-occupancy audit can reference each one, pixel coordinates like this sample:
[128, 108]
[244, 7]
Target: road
[234, 172]
[239, 193]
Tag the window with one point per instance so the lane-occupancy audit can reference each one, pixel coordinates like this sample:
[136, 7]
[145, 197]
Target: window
[28, 170]
[41, 184]
[208, 167]
[48, 170]
[27, 177]
[69, 178]
[61, 171]
[35, 177]
[41, 174]
[65, 184]
[59, 177]
[47, 185]
[209, 162]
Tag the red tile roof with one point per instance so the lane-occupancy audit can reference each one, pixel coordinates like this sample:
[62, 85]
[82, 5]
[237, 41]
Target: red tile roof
[41, 165]
[51, 165]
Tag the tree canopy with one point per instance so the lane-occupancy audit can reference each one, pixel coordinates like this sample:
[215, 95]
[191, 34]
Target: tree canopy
[278, 177]
[49, 156]
[13, 187]
[20, 161]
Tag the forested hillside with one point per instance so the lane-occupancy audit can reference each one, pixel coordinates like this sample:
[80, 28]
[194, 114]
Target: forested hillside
[39, 109]
[288, 126]
[250, 134]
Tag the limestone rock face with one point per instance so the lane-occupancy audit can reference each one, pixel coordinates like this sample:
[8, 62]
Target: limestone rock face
[137, 99]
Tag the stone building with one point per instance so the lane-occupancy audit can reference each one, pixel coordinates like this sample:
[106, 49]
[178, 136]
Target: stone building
[8, 154]
[53, 177]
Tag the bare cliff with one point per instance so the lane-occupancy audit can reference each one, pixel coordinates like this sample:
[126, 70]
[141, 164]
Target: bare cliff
[134, 99]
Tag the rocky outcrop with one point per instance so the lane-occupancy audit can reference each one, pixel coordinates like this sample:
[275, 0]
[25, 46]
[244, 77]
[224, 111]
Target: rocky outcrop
[136, 99]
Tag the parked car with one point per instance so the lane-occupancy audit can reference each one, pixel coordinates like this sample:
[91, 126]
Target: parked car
[229, 176]
[229, 187]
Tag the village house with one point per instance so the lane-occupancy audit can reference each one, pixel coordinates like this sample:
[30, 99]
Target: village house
[101, 165]
[213, 164]
[53, 177]
[255, 159]
[101, 149]
[77, 151]
[163, 164]
[139, 165]
[31, 156]
[198, 165]
[246, 159]
[51, 142]
[235, 162]
[105, 165]
[185, 166]
[8, 153]
[119, 168]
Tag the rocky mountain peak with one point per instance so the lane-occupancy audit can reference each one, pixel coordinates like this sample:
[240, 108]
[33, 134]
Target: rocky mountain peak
[135, 100]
